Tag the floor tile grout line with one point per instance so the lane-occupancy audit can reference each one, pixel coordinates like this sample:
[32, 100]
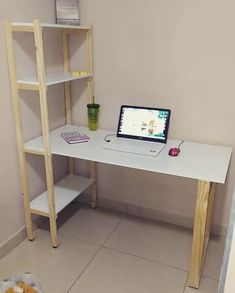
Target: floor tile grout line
[114, 229]
[146, 259]
[79, 276]
[122, 218]
[90, 242]
[103, 246]
[81, 240]
[152, 261]
[121, 251]
[100, 246]
[127, 253]
[186, 282]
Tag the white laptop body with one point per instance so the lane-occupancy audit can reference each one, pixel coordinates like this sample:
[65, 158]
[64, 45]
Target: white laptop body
[141, 130]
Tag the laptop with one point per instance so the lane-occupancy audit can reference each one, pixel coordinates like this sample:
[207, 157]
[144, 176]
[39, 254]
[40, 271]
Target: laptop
[141, 130]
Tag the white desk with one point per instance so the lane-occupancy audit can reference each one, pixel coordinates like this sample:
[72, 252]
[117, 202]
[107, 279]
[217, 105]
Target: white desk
[206, 163]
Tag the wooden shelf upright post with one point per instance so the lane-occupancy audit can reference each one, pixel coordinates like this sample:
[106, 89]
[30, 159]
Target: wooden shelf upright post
[67, 93]
[45, 129]
[93, 164]
[19, 134]
[90, 65]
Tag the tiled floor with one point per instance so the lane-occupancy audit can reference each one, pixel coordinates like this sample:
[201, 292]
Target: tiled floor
[105, 251]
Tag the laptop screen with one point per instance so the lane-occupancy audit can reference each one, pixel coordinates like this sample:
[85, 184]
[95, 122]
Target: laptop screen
[144, 123]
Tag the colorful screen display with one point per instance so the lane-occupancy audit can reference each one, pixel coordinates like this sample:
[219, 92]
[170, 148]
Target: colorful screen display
[144, 123]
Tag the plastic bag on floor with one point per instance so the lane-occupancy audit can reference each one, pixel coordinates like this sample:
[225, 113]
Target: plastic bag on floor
[23, 283]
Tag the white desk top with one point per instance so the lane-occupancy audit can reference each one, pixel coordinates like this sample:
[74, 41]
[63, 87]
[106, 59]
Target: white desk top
[196, 161]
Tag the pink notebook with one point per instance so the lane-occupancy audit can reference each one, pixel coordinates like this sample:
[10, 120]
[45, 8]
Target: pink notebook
[74, 137]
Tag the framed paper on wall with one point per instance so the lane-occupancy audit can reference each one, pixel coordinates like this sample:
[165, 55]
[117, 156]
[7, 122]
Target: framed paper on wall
[67, 12]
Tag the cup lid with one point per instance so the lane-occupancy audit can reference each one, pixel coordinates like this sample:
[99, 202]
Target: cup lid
[93, 105]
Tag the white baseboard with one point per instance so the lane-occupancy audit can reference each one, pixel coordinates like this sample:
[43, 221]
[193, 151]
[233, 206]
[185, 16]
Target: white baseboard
[152, 214]
[127, 208]
[18, 237]
[12, 242]
[171, 218]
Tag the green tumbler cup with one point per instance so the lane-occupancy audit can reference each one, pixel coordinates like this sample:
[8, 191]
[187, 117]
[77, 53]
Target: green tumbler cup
[93, 116]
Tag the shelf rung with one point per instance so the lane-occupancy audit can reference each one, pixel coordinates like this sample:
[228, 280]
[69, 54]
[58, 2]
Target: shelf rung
[22, 27]
[39, 213]
[34, 152]
[25, 86]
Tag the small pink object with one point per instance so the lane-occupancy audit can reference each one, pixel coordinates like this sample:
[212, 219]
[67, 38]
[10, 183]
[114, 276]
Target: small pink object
[173, 152]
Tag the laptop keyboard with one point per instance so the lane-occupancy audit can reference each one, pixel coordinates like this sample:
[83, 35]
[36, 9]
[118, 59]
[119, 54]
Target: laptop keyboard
[135, 147]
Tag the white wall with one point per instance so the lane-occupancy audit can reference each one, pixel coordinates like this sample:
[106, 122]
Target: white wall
[174, 54]
[165, 53]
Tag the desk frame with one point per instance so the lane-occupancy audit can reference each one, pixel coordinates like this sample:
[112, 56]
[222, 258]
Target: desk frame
[196, 161]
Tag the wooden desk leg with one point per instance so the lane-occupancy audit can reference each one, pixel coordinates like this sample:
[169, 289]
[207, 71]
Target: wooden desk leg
[94, 186]
[201, 231]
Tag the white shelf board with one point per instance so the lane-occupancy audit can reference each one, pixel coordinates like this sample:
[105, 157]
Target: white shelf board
[52, 78]
[51, 25]
[65, 190]
[64, 26]
[195, 161]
